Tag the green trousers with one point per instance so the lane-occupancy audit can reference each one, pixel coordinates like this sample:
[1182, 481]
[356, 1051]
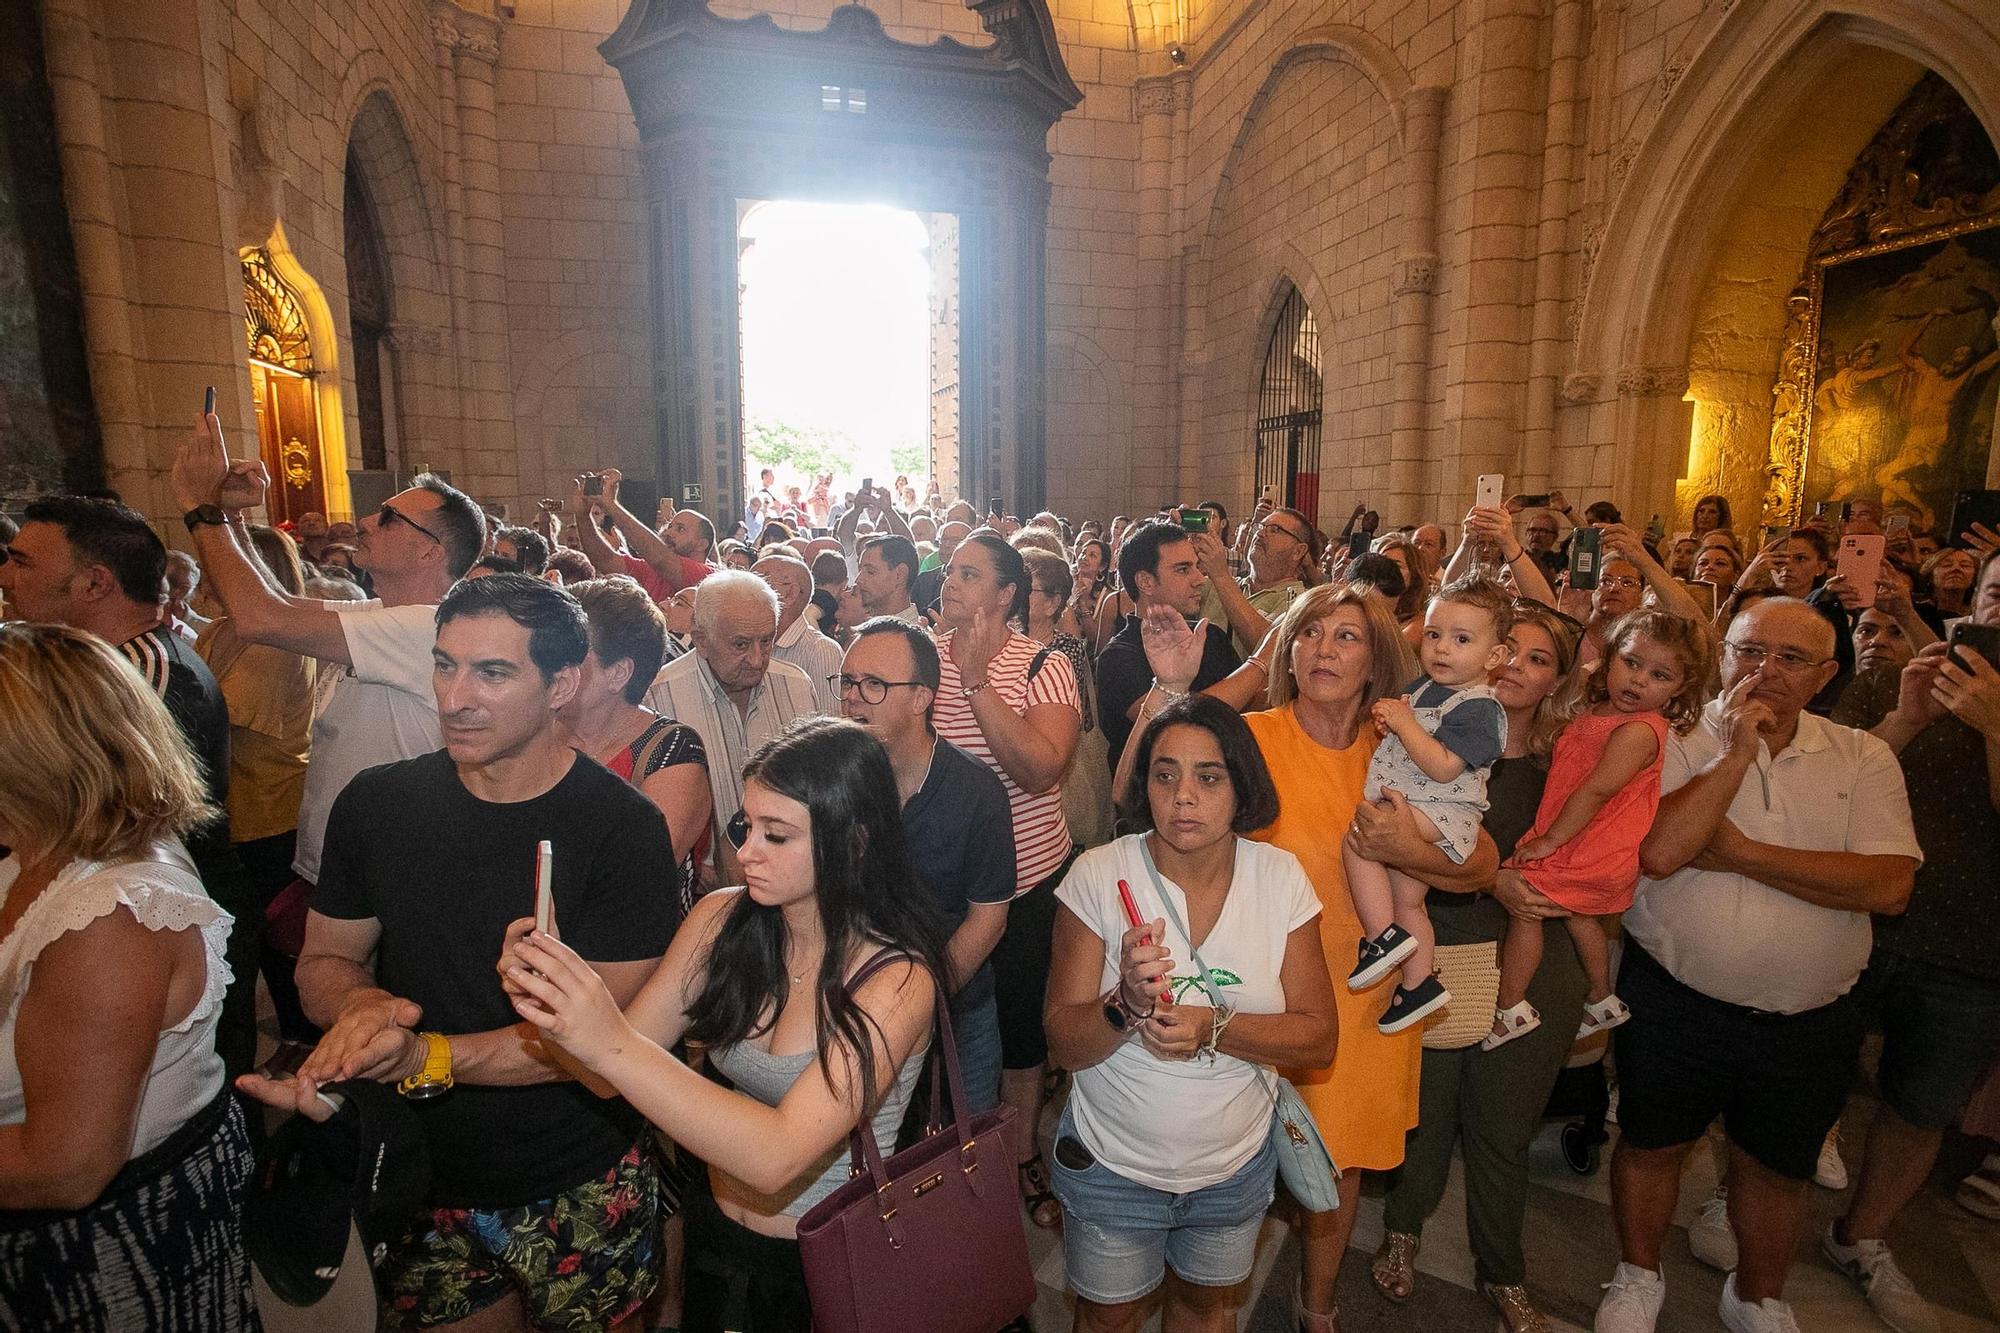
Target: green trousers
[1490, 1102]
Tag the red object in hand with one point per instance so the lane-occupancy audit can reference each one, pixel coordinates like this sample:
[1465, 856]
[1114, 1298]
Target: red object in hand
[1132, 916]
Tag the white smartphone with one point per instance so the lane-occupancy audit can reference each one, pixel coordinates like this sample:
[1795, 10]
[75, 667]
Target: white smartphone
[1488, 495]
[545, 897]
[1860, 562]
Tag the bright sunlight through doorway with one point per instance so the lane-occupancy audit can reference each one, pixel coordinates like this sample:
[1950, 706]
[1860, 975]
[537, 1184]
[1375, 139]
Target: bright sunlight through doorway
[842, 324]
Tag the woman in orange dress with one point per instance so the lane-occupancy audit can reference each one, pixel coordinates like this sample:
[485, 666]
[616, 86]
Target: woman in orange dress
[1335, 652]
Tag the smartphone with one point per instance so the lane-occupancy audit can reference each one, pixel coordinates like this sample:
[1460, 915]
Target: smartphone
[593, 484]
[1586, 548]
[1981, 639]
[1897, 523]
[1703, 594]
[993, 507]
[1969, 508]
[1195, 520]
[1132, 918]
[1357, 544]
[1860, 561]
[1487, 493]
[1536, 501]
[545, 896]
[867, 485]
[208, 402]
[1846, 511]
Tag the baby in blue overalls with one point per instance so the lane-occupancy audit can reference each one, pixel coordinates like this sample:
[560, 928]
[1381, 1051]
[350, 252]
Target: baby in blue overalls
[1439, 741]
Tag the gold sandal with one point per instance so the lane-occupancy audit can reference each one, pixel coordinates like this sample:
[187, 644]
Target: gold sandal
[1308, 1321]
[1517, 1313]
[1395, 1268]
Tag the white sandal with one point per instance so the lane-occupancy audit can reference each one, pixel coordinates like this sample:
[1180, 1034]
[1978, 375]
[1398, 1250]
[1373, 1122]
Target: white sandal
[1514, 1021]
[1603, 1016]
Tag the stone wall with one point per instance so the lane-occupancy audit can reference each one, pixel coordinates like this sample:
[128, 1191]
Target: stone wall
[1527, 228]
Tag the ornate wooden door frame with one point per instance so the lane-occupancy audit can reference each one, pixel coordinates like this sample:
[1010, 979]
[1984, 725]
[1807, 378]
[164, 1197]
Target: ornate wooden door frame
[734, 110]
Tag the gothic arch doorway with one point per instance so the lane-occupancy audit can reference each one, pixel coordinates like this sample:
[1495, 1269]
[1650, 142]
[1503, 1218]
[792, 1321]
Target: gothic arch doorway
[285, 389]
[734, 111]
[1289, 399]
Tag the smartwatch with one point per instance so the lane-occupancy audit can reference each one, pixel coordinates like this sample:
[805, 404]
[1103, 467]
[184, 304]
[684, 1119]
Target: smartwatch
[435, 1076]
[1117, 1015]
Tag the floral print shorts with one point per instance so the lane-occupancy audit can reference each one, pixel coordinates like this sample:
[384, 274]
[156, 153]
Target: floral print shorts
[583, 1260]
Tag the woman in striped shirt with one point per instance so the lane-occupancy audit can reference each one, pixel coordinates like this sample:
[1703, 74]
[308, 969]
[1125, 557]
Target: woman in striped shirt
[1015, 707]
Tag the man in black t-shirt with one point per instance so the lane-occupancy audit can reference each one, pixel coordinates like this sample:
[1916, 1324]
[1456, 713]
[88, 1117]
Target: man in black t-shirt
[95, 565]
[1157, 566]
[535, 1180]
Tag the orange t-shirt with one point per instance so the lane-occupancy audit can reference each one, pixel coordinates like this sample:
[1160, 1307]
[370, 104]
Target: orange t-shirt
[1366, 1101]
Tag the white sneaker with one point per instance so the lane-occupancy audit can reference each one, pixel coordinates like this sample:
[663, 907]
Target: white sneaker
[1893, 1297]
[1632, 1301]
[1709, 1235]
[1766, 1316]
[1831, 1174]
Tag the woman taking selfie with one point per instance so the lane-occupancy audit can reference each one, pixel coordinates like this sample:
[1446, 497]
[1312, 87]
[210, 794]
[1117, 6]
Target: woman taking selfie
[1163, 1157]
[760, 976]
[123, 1158]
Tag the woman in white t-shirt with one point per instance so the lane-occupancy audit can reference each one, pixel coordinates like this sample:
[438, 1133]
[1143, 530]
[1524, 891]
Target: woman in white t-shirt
[1163, 1159]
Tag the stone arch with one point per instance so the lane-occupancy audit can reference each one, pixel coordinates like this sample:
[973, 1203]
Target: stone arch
[1756, 84]
[380, 144]
[330, 359]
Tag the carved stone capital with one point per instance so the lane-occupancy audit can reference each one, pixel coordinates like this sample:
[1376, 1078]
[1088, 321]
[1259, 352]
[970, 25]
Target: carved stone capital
[1653, 381]
[1156, 97]
[1416, 273]
[425, 338]
[1670, 78]
[1581, 388]
[473, 36]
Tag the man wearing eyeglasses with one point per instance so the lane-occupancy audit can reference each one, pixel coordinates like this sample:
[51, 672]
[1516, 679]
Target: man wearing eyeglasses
[1281, 551]
[955, 810]
[413, 547]
[1778, 834]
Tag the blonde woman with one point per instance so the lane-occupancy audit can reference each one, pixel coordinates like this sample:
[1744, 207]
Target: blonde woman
[122, 1155]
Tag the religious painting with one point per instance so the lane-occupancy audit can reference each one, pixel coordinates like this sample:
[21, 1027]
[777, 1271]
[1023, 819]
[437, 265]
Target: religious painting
[1907, 371]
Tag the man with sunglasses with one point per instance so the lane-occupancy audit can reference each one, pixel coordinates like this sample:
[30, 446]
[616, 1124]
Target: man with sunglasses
[413, 547]
[955, 810]
[1778, 834]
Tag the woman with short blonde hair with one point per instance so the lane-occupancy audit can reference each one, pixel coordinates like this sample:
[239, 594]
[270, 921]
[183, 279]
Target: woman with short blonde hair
[122, 1155]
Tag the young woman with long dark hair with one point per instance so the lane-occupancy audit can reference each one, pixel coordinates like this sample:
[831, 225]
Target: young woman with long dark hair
[761, 977]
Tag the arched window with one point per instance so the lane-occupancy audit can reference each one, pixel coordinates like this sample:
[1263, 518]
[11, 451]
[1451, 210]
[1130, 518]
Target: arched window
[368, 316]
[1288, 410]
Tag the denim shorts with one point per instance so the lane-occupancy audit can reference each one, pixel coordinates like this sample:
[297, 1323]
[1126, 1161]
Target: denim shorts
[1119, 1237]
[1940, 1035]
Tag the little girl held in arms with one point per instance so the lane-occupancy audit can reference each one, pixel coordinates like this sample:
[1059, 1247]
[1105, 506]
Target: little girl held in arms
[1602, 794]
[1439, 739]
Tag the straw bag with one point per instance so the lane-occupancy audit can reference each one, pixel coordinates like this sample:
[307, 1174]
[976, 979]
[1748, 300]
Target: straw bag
[1471, 972]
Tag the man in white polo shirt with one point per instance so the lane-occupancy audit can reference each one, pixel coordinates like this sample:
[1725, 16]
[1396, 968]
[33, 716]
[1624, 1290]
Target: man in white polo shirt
[413, 548]
[1778, 834]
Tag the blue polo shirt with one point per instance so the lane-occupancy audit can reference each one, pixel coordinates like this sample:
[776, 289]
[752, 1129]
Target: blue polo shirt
[962, 841]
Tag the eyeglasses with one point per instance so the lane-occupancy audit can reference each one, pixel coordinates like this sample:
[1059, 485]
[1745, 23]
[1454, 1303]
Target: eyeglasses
[873, 689]
[1753, 654]
[1617, 581]
[1271, 525]
[388, 514]
[1040, 591]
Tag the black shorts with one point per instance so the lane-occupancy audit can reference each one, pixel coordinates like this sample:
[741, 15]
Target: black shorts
[1779, 1081]
[1021, 972]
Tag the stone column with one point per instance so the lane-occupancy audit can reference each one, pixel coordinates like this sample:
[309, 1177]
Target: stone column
[1415, 281]
[1559, 150]
[1156, 418]
[487, 458]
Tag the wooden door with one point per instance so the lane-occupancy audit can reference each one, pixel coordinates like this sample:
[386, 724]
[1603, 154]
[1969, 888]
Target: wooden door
[288, 438]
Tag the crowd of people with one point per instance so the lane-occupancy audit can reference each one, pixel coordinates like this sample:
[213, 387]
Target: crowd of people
[634, 856]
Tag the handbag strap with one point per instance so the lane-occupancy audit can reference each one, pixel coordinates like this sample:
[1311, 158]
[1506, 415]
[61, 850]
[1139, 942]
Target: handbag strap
[862, 1152]
[1208, 980]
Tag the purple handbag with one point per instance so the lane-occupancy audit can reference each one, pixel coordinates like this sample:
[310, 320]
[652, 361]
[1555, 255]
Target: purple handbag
[931, 1240]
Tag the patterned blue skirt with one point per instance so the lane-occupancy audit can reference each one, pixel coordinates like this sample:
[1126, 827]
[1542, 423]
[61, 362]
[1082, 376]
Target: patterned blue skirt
[161, 1251]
